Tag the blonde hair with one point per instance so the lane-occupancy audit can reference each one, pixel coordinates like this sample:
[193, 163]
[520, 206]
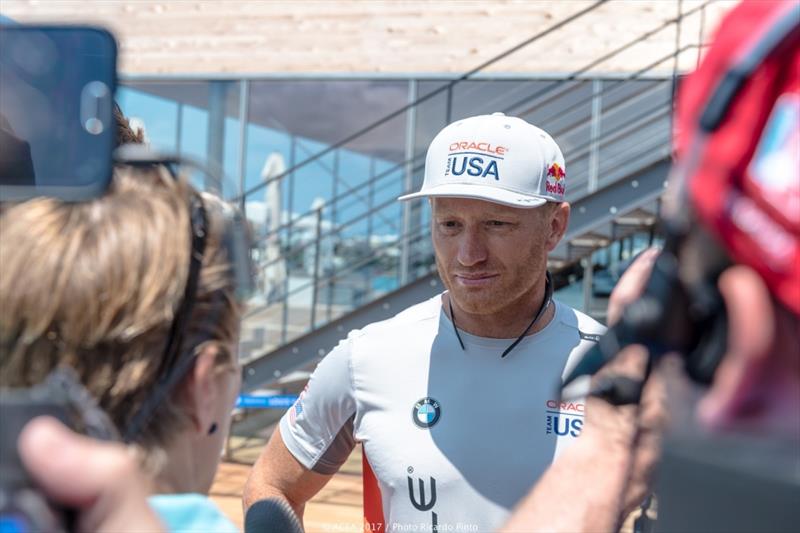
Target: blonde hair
[95, 286]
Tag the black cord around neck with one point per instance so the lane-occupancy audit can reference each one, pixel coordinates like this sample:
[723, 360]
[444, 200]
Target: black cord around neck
[548, 297]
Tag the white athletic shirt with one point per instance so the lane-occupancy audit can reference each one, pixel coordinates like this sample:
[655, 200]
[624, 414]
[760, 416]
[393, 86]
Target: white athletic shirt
[454, 437]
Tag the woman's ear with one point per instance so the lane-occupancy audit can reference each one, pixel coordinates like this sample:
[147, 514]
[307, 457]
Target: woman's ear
[200, 390]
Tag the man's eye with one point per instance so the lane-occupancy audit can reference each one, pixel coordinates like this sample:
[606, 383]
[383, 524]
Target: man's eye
[497, 223]
[449, 224]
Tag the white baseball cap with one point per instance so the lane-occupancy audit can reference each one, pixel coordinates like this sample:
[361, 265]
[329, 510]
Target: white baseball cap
[494, 158]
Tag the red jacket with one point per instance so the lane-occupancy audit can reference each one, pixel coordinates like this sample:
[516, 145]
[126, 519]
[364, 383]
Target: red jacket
[746, 188]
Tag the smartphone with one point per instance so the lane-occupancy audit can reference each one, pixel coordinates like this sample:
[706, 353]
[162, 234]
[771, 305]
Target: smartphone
[57, 130]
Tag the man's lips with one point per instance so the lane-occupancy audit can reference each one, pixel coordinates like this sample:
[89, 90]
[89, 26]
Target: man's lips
[475, 279]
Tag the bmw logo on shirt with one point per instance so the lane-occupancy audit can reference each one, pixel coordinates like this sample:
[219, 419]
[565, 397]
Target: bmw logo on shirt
[426, 412]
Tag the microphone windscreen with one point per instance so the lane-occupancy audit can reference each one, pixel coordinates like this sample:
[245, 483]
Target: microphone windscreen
[271, 515]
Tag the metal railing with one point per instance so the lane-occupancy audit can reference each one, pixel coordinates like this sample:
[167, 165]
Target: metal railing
[307, 295]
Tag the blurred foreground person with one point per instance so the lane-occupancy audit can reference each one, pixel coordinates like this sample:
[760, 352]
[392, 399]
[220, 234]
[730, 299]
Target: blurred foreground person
[96, 287]
[731, 455]
[101, 481]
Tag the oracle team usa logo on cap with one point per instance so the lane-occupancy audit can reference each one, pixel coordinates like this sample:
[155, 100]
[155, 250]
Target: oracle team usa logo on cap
[426, 412]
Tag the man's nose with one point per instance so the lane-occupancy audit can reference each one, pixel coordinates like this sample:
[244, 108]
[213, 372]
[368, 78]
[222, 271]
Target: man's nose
[471, 248]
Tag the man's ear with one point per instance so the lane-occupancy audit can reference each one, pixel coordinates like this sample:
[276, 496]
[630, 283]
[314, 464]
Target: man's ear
[200, 389]
[559, 220]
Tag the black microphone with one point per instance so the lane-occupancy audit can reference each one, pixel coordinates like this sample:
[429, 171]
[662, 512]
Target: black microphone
[645, 321]
[271, 515]
[667, 317]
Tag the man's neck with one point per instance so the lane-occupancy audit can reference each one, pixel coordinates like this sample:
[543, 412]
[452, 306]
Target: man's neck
[509, 322]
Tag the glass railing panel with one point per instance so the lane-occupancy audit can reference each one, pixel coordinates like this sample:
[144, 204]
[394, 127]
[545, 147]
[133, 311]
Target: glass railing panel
[478, 97]
[622, 100]
[311, 185]
[430, 116]
[646, 145]
[359, 249]
[557, 104]
[608, 265]
[177, 116]
[268, 151]
[357, 192]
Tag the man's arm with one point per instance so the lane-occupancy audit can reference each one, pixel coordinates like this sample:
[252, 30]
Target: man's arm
[278, 474]
[312, 441]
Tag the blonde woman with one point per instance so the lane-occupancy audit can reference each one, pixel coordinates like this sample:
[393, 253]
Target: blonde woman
[106, 288]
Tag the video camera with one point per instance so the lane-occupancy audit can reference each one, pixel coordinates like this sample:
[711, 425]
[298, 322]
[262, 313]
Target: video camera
[58, 139]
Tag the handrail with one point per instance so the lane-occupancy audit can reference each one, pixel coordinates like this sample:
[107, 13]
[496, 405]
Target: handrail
[399, 166]
[415, 234]
[634, 124]
[335, 230]
[574, 75]
[571, 77]
[609, 87]
[625, 158]
[331, 172]
[343, 194]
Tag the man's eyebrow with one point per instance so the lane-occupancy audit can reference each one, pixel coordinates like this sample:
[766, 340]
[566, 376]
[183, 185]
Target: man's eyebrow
[502, 214]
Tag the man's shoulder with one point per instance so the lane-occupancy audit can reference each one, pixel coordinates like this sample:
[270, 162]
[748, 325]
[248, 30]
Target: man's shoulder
[411, 317]
[587, 327]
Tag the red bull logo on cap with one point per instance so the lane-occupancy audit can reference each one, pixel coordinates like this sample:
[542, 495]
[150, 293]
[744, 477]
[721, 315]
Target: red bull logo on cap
[555, 179]
[556, 172]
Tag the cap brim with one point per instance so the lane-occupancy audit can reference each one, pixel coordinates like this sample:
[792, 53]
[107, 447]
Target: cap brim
[479, 192]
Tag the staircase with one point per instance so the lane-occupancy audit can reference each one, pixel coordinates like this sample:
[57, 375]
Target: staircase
[327, 271]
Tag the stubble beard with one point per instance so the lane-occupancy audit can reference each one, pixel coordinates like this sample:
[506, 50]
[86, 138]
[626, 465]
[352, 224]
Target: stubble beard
[503, 295]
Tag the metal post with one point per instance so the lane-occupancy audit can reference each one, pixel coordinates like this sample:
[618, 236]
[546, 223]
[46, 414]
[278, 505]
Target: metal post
[594, 139]
[334, 216]
[285, 295]
[588, 273]
[244, 111]
[370, 197]
[612, 243]
[702, 26]
[315, 287]
[288, 253]
[179, 128]
[408, 183]
[335, 188]
[449, 109]
[215, 142]
[675, 62]
[290, 178]
[329, 310]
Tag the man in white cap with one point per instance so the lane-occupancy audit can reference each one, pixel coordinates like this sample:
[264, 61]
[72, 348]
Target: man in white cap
[455, 400]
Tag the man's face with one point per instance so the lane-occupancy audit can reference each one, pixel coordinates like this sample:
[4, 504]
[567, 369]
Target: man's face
[492, 256]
